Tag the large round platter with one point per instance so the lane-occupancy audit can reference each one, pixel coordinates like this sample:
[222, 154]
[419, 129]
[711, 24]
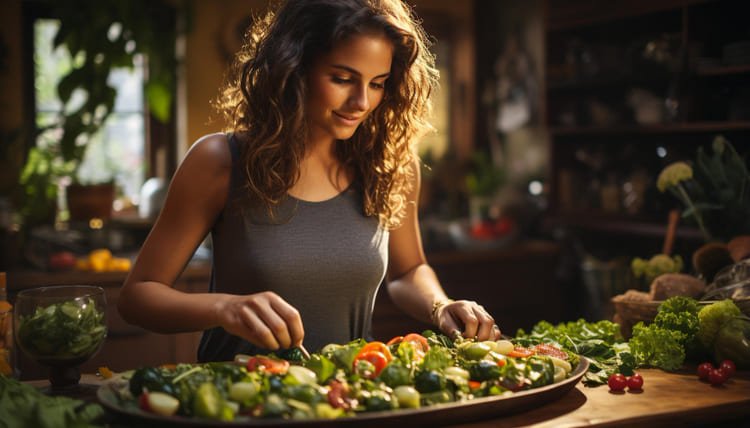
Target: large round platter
[441, 414]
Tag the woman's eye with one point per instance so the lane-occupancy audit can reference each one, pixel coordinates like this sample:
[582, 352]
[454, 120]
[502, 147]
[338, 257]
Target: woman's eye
[337, 79]
[377, 85]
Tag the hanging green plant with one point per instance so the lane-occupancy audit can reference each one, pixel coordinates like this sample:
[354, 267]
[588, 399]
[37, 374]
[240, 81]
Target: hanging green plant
[100, 36]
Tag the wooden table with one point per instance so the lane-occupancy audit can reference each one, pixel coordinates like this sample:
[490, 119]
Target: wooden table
[667, 400]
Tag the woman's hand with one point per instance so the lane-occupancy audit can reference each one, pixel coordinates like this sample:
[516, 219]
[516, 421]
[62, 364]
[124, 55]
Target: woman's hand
[264, 319]
[467, 318]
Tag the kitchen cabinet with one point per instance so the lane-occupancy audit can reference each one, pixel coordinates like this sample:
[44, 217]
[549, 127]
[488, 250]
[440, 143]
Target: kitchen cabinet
[630, 87]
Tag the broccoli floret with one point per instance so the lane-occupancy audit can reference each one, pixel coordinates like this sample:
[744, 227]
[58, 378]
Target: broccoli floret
[712, 317]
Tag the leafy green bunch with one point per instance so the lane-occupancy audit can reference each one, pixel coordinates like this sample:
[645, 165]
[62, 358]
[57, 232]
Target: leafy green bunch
[601, 343]
[715, 190]
[664, 342]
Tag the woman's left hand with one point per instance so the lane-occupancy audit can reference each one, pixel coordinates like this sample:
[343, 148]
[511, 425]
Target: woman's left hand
[468, 318]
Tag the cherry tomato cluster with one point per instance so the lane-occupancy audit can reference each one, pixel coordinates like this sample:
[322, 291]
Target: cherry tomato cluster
[716, 375]
[618, 382]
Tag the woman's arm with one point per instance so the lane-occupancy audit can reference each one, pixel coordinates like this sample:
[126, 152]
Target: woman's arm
[415, 289]
[196, 196]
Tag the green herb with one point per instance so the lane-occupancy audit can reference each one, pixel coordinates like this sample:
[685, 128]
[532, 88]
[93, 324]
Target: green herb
[23, 405]
[69, 329]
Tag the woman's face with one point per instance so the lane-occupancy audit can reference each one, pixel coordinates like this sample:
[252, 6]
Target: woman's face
[345, 85]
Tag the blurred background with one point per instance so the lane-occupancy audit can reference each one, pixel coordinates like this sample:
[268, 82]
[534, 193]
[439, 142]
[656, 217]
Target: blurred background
[554, 121]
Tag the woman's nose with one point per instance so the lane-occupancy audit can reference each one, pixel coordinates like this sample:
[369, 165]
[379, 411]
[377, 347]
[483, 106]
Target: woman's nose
[360, 98]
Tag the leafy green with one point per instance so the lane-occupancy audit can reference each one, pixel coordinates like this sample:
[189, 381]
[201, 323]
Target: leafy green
[601, 343]
[69, 329]
[655, 346]
[678, 304]
[23, 405]
[437, 358]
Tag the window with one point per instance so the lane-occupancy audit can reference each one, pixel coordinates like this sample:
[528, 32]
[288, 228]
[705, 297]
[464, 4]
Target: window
[117, 151]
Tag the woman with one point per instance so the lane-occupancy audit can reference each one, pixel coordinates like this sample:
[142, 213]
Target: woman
[310, 197]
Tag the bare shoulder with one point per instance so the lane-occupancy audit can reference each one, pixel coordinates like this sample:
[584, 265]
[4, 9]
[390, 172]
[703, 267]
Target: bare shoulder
[211, 152]
[205, 172]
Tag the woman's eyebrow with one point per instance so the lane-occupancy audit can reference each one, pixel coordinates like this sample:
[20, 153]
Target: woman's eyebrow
[353, 71]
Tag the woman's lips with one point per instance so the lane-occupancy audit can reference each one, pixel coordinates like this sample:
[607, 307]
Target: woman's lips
[348, 119]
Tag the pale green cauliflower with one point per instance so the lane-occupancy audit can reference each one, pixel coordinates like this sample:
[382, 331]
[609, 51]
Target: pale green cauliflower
[673, 174]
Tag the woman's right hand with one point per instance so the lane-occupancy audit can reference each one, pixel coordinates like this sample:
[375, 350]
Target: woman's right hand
[264, 319]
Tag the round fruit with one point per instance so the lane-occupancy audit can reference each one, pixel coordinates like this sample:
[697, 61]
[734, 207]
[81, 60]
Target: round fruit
[704, 369]
[717, 377]
[728, 367]
[635, 381]
[617, 382]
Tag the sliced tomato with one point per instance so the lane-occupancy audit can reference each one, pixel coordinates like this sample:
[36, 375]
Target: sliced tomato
[419, 341]
[521, 352]
[376, 358]
[379, 347]
[267, 364]
[395, 340]
[551, 350]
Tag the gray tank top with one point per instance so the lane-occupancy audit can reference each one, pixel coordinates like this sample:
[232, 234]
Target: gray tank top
[327, 259]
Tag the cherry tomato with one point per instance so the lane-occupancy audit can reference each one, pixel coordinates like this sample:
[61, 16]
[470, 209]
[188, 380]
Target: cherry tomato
[704, 369]
[728, 367]
[635, 381]
[377, 359]
[267, 364]
[717, 377]
[617, 382]
[379, 347]
[474, 384]
[521, 352]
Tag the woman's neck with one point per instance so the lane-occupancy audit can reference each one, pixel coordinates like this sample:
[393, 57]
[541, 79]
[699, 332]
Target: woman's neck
[322, 175]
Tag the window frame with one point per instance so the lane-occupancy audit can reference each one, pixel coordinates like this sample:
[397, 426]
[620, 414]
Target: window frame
[160, 139]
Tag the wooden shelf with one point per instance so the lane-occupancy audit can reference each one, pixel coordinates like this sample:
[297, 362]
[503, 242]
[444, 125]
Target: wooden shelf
[653, 129]
[619, 225]
[580, 13]
[724, 70]
[598, 82]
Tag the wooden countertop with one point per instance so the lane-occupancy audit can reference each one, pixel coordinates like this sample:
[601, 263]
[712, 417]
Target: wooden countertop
[667, 399]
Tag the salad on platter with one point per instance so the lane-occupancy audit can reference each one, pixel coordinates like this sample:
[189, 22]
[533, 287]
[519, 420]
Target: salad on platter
[414, 371]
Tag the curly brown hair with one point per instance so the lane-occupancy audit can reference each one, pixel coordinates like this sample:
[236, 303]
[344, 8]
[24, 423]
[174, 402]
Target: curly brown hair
[263, 100]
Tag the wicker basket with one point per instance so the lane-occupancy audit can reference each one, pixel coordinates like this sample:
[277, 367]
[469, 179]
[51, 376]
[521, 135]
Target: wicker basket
[630, 313]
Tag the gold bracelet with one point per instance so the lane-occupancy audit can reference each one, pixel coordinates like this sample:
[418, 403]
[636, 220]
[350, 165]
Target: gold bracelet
[436, 307]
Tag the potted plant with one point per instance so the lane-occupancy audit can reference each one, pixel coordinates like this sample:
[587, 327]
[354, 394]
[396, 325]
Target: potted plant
[715, 190]
[105, 35]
